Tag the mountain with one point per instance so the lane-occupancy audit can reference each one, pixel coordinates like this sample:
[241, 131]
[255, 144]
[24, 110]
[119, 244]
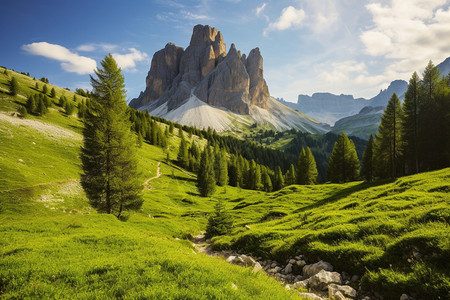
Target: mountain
[444, 67]
[328, 108]
[204, 86]
[363, 124]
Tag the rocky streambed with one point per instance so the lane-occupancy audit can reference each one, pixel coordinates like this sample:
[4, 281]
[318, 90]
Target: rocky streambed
[316, 281]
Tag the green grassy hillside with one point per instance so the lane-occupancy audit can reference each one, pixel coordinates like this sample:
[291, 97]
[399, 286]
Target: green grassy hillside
[54, 245]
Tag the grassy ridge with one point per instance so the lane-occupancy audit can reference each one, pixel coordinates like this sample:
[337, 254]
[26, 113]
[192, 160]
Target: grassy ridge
[55, 245]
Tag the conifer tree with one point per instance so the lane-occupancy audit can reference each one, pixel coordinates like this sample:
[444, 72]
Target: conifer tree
[306, 168]
[278, 182]
[14, 86]
[221, 168]
[343, 165]
[45, 89]
[36, 86]
[206, 181]
[110, 167]
[31, 105]
[291, 175]
[182, 157]
[68, 108]
[220, 222]
[62, 101]
[41, 108]
[367, 167]
[411, 124]
[388, 147]
[53, 93]
[23, 111]
[232, 171]
[266, 181]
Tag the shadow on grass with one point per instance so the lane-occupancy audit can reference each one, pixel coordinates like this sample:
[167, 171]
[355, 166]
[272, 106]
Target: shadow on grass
[344, 193]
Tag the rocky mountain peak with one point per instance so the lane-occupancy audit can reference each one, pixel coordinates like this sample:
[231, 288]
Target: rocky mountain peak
[228, 80]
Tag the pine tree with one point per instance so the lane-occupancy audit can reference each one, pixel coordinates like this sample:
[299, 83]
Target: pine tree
[232, 171]
[53, 93]
[62, 101]
[266, 181]
[388, 145]
[367, 161]
[291, 175]
[110, 167]
[220, 222]
[306, 168]
[41, 108]
[45, 89]
[411, 123]
[343, 165]
[14, 87]
[22, 111]
[68, 108]
[182, 156]
[278, 182]
[221, 168]
[31, 105]
[36, 86]
[206, 181]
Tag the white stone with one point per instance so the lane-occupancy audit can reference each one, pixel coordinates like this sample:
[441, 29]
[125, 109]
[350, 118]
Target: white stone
[257, 267]
[321, 280]
[346, 290]
[230, 258]
[300, 284]
[301, 263]
[310, 270]
[292, 261]
[404, 297]
[309, 296]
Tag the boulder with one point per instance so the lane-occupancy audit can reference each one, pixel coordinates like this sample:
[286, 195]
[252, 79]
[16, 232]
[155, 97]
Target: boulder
[310, 270]
[321, 280]
[337, 295]
[288, 268]
[300, 284]
[346, 290]
[300, 263]
[309, 296]
[257, 267]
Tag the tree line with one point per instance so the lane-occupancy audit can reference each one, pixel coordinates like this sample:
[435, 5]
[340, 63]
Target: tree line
[414, 136]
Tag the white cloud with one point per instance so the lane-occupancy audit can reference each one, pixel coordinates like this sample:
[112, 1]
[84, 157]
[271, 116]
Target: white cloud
[93, 47]
[70, 61]
[128, 61]
[191, 16]
[290, 17]
[260, 9]
[409, 32]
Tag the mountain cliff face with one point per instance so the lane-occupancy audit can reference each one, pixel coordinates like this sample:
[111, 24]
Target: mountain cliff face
[181, 82]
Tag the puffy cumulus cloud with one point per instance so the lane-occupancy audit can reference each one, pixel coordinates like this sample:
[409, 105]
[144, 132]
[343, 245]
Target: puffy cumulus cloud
[290, 17]
[70, 61]
[343, 71]
[409, 32]
[128, 61]
[322, 15]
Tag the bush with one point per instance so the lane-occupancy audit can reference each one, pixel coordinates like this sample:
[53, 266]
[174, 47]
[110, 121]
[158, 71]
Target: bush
[220, 223]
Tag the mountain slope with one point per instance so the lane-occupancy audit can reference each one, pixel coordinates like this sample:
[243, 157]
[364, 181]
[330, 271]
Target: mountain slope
[204, 86]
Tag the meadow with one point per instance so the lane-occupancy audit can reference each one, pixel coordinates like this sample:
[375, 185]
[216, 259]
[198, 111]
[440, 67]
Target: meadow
[395, 234]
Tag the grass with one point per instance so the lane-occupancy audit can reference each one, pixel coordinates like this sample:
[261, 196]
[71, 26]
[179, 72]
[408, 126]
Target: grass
[54, 245]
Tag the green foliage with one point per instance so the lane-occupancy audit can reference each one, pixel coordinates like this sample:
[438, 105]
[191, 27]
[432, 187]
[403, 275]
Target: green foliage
[367, 167]
[221, 168]
[110, 174]
[410, 123]
[45, 89]
[22, 110]
[69, 108]
[53, 93]
[278, 181]
[291, 176]
[306, 167]
[388, 143]
[220, 223]
[14, 87]
[206, 179]
[343, 165]
[182, 157]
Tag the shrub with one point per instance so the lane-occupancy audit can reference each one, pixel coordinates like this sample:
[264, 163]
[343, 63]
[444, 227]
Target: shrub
[220, 223]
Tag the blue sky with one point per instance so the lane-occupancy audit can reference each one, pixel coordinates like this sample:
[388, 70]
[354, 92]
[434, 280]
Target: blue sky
[343, 46]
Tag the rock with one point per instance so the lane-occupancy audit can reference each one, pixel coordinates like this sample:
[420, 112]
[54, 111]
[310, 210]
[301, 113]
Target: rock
[292, 261]
[309, 296]
[230, 258]
[163, 70]
[248, 260]
[288, 268]
[259, 92]
[321, 280]
[354, 278]
[228, 85]
[234, 287]
[300, 263]
[337, 296]
[300, 284]
[273, 265]
[274, 270]
[257, 267]
[287, 286]
[247, 227]
[310, 270]
[20, 160]
[404, 297]
[346, 290]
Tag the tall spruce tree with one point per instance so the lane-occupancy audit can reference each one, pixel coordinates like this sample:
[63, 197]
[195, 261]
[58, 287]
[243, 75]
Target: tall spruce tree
[343, 165]
[411, 124]
[388, 145]
[14, 86]
[110, 167]
[206, 178]
[367, 161]
[278, 182]
[291, 175]
[221, 168]
[306, 167]
[182, 157]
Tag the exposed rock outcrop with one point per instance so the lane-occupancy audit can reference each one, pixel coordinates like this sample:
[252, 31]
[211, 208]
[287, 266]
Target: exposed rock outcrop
[230, 81]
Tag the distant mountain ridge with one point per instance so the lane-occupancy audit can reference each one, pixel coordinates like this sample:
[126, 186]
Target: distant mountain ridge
[204, 86]
[328, 108]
